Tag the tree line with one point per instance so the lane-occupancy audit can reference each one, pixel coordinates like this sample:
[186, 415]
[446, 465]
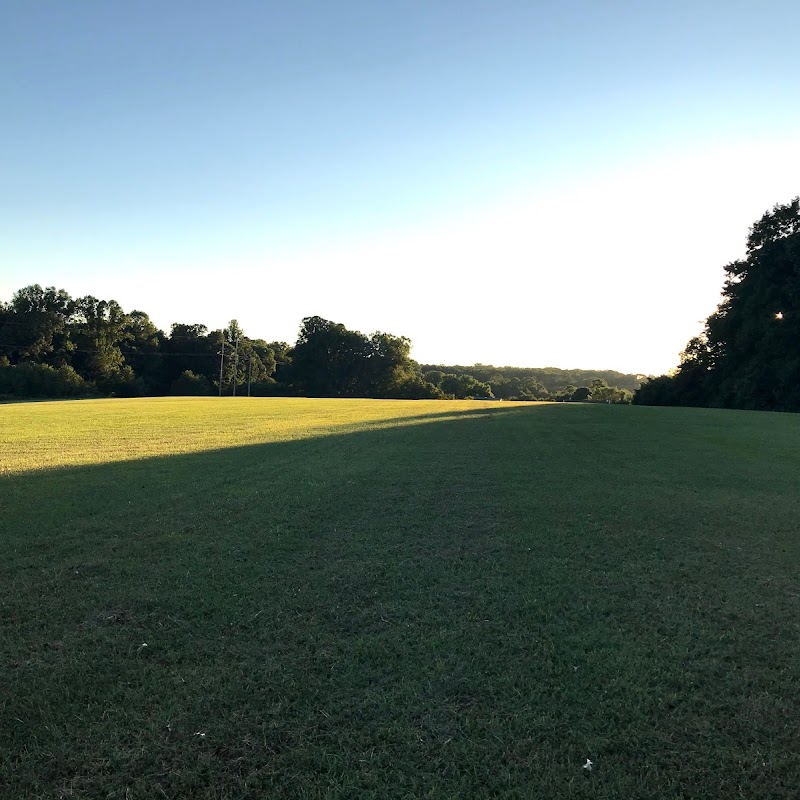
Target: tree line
[548, 382]
[53, 345]
[748, 354]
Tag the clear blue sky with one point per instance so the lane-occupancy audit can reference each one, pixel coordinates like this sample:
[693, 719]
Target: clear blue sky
[506, 182]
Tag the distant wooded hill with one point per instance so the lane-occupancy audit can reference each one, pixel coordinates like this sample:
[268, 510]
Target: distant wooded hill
[552, 378]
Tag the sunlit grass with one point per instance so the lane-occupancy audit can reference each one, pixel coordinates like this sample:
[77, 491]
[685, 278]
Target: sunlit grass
[58, 434]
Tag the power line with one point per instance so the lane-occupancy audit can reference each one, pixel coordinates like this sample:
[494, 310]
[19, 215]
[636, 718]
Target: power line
[159, 333]
[124, 352]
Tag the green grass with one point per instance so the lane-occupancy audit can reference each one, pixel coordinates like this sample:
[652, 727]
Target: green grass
[36, 436]
[397, 600]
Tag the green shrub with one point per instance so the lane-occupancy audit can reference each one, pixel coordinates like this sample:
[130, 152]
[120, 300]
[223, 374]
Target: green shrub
[41, 380]
[190, 385]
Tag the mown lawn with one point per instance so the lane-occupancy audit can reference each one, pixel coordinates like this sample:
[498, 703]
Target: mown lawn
[336, 599]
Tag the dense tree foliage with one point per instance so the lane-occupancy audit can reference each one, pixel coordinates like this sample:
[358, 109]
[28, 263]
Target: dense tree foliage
[518, 383]
[747, 355]
[552, 379]
[331, 361]
[30, 379]
[116, 353]
[189, 384]
[52, 345]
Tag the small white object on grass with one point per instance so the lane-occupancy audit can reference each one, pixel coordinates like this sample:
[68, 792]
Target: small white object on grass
[588, 765]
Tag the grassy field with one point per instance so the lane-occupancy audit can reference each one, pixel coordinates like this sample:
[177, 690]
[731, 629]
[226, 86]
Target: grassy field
[257, 598]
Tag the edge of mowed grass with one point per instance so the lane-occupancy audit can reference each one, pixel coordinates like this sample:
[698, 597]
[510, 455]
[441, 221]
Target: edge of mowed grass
[470, 607]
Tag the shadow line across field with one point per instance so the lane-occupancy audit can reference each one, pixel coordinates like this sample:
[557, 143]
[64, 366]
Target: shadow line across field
[316, 429]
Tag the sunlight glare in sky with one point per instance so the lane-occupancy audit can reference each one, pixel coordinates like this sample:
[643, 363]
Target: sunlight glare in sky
[636, 258]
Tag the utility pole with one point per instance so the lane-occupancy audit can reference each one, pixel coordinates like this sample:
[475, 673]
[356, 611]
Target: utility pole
[249, 371]
[221, 364]
[235, 364]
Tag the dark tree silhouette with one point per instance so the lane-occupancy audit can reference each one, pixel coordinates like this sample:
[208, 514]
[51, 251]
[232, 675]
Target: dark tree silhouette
[748, 355]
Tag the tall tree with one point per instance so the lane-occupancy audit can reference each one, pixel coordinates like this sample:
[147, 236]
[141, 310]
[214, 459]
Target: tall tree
[329, 360]
[190, 348]
[142, 349]
[464, 386]
[36, 325]
[100, 330]
[753, 336]
[245, 359]
[281, 352]
[748, 354]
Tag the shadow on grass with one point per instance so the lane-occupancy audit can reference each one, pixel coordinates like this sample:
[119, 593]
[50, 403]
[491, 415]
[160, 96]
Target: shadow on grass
[316, 430]
[134, 591]
[47, 503]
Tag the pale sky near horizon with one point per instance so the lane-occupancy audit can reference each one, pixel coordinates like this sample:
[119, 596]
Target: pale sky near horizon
[515, 183]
